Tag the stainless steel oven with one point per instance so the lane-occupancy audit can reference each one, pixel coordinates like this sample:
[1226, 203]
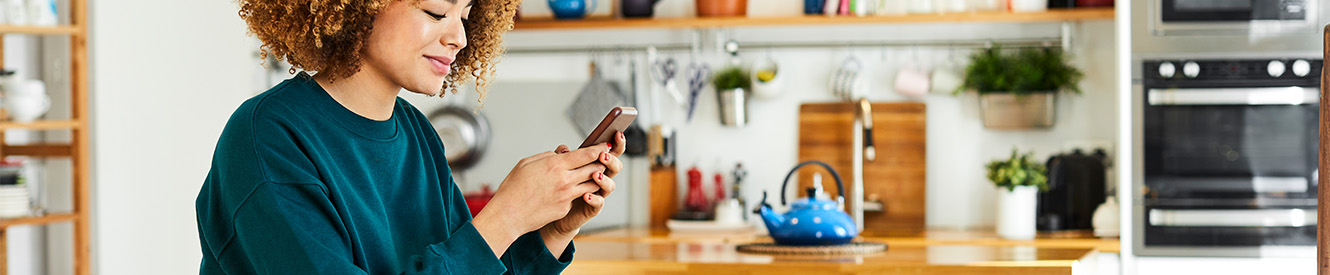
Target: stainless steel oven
[1229, 156]
[1189, 17]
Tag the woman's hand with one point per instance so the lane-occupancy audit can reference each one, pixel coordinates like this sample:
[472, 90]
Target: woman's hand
[589, 204]
[540, 190]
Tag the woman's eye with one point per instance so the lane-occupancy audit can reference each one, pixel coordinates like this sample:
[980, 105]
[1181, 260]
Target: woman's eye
[436, 17]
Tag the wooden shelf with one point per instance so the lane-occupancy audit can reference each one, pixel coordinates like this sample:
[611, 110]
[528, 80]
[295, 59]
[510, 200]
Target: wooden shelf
[38, 150]
[19, 29]
[41, 125]
[712, 22]
[38, 220]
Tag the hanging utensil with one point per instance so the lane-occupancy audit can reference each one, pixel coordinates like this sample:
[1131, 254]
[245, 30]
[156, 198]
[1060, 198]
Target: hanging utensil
[698, 76]
[665, 72]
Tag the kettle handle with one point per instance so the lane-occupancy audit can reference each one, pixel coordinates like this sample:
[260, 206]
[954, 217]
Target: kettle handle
[839, 185]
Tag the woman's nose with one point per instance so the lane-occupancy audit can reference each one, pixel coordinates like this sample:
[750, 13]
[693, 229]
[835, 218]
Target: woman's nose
[454, 36]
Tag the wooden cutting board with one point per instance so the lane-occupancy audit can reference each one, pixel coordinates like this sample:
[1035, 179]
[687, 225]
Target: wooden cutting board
[897, 176]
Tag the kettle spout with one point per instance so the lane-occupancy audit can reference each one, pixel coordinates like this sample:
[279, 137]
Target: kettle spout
[769, 216]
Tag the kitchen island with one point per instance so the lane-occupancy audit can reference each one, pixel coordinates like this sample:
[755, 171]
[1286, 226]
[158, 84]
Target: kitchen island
[642, 251]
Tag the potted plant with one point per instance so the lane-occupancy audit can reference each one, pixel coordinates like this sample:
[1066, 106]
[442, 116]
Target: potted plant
[732, 86]
[1018, 90]
[1018, 180]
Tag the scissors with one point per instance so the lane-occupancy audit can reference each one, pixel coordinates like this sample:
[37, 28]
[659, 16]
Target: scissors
[698, 76]
[664, 71]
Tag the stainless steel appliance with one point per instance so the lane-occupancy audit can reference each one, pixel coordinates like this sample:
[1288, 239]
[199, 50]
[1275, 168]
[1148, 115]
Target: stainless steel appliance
[1211, 62]
[1229, 157]
[1203, 17]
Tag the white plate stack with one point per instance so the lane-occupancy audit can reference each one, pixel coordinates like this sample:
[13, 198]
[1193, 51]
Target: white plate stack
[14, 201]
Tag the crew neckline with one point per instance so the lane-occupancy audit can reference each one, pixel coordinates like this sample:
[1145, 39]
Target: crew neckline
[363, 126]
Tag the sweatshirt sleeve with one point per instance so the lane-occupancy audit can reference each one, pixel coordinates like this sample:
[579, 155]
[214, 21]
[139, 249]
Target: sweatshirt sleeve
[287, 228]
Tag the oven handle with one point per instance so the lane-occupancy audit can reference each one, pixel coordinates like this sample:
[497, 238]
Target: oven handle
[1233, 218]
[1234, 96]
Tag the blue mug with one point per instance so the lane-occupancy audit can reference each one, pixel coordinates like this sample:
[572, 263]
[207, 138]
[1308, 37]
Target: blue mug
[572, 9]
[814, 6]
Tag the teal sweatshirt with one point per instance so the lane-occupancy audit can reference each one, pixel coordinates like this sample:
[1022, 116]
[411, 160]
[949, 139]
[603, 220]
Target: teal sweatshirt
[301, 185]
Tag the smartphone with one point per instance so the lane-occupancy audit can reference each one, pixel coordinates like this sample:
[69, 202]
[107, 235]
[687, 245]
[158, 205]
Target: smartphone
[616, 121]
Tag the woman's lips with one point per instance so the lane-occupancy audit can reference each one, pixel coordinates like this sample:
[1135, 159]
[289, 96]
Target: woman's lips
[441, 65]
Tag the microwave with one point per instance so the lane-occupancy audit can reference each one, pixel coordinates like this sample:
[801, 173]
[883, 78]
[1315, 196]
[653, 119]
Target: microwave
[1236, 17]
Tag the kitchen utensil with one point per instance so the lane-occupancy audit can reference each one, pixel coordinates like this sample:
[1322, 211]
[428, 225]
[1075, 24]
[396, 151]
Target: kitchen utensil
[659, 148]
[695, 201]
[845, 81]
[767, 78]
[1075, 188]
[866, 117]
[638, 8]
[572, 9]
[465, 134]
[664, 72]
[597, 96]
[912, 82]
[814, 7]
[897, 177]
[829, 225]
[698, 76]
[27, 101]
[721, 8]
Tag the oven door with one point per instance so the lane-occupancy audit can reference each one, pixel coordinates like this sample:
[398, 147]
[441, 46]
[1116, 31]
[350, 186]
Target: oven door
[1230, 143]
[1232, 16]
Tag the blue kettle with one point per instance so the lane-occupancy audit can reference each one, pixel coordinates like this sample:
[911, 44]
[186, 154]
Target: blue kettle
[810, 221]
[572, 9]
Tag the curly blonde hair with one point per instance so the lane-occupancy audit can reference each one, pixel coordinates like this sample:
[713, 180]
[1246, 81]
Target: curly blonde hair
[329, 36]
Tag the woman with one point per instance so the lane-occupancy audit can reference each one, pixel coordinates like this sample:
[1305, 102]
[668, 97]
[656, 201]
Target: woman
[331, 173]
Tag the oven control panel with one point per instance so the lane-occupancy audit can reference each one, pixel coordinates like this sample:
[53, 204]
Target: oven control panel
[1229, 72]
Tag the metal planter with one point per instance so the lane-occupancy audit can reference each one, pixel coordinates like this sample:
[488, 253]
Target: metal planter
[1006, 111]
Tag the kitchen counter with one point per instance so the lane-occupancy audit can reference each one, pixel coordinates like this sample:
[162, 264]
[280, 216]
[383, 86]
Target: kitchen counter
[643, 251]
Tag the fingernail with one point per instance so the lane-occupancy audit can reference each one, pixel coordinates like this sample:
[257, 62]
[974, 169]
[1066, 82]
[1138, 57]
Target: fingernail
[600, 176]
[586, 196]
[605, 156]
[620, 135]
[610, 144]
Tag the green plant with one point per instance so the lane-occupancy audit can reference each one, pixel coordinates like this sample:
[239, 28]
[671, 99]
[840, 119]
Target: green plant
[1022, 72]
[732, 77]
[1017, 171]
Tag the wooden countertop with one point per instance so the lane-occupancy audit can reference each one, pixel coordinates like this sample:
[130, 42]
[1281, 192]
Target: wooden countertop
[644, 251]
[1074, 239]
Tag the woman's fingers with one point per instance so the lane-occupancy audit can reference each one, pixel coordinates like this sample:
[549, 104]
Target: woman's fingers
[620, 144]
[612, 164]
[581, 157]
[580, 189]
[586, 173]
[595, 201]
[606, 185]
[533, 158]
[563, 148]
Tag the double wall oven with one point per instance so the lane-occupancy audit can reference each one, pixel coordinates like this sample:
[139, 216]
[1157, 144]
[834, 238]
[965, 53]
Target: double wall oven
[1229, 155]
[1224, 113]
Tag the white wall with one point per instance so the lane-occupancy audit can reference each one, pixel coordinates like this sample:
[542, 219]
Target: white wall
[166, 76]
[958, 146]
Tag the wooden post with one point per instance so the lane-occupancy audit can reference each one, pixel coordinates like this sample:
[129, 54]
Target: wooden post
[1323, 192]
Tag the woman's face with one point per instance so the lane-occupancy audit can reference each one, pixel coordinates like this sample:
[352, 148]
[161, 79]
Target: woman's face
[413, 44]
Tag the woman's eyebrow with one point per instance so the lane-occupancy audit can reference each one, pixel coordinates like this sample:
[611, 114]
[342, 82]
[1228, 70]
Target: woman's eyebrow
[468, 3]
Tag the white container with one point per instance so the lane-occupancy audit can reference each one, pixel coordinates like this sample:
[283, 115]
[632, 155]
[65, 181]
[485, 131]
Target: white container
[1029, 5]
[41, 12]
[26, 101]
[1016, 212]
[893, 7]
[16, 12]
[771, 88]
[921, 6]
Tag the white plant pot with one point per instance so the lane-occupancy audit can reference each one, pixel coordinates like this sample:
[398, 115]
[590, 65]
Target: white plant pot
[1016, 211]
